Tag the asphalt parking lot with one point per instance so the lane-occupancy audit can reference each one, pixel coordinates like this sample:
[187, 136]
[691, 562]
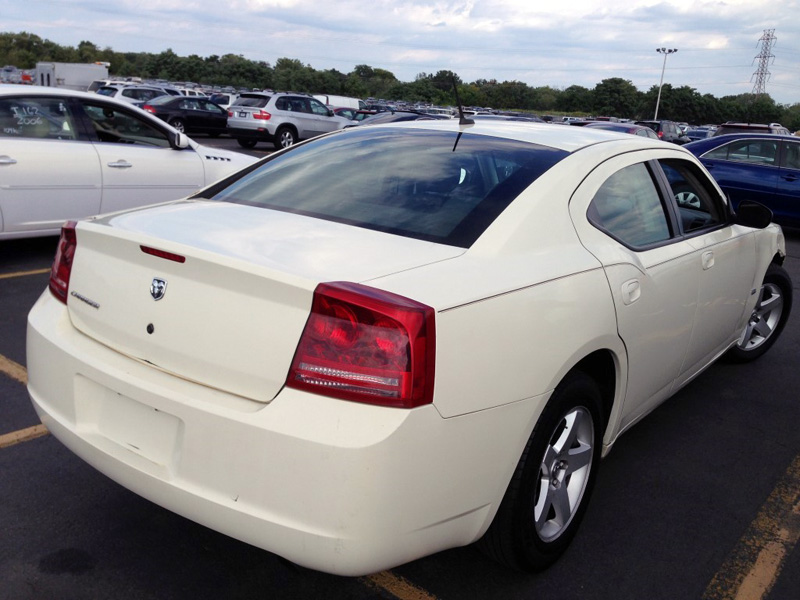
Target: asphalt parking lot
[700, 500]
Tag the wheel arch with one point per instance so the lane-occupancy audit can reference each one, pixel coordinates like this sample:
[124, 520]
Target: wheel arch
[602, 367]
[290, 127]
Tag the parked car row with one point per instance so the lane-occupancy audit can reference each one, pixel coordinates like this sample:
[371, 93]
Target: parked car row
[759, 167]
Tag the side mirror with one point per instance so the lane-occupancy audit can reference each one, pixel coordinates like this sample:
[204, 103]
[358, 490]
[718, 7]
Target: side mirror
[330, 112]
[753, 214]
[178, 140]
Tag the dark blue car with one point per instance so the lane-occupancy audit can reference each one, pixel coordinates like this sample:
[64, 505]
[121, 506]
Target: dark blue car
[760, 167]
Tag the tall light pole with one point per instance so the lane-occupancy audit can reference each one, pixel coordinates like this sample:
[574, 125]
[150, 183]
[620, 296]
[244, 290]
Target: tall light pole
[666, 52]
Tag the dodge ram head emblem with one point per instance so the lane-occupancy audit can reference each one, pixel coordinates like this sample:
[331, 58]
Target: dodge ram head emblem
[158, 288]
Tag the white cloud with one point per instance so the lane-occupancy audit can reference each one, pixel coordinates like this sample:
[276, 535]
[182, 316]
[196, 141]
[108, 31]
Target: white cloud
[561, 43]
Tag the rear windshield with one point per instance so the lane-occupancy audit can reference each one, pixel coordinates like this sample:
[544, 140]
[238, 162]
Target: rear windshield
[158, 100]
[253, 101]
[444, 187]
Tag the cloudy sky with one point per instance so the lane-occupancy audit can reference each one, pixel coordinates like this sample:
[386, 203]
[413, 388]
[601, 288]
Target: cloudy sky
[557, 43]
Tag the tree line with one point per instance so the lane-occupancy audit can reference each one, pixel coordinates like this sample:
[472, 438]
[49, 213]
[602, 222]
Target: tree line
[614, 96]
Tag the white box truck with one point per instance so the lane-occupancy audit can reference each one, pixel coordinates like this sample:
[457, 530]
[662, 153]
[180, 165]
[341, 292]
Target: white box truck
[73, 76]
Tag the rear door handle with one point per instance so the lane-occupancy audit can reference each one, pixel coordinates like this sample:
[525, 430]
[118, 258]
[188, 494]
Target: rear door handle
[120, 164]
[708, 260]
[7, 160]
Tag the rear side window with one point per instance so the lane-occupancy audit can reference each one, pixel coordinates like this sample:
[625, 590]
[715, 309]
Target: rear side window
[791, 155]
[443, 187]
[36, 117]
[628, 207]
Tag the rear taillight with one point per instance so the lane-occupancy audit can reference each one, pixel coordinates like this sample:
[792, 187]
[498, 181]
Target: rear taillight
[62, 264]
[262, 115]
[149, 109]
[660, 134]
[366, 345]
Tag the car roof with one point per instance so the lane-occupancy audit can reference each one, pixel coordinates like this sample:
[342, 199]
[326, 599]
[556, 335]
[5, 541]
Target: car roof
[719, 140]
[569, 139]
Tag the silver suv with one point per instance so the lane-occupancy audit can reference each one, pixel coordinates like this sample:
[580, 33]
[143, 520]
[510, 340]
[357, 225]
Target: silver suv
[281, 118]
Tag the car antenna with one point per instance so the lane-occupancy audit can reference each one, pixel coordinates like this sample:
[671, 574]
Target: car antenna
[462, 120]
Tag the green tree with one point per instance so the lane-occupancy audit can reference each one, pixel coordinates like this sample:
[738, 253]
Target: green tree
[615, 97]
[575, 98]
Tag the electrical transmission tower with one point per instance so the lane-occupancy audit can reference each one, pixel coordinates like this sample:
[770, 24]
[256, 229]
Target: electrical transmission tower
[764, 58]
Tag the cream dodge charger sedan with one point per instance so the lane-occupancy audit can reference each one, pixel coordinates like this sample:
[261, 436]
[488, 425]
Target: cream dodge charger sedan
[67, 155]
[397, 339]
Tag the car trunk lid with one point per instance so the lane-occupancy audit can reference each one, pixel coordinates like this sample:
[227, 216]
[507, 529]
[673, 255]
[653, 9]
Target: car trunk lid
[219, 293]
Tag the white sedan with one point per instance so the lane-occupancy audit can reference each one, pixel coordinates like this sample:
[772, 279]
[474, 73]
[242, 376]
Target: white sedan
[398, 339]
[67, 155]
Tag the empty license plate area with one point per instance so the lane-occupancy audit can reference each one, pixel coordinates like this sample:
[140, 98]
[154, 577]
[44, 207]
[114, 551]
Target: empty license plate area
[126, 428]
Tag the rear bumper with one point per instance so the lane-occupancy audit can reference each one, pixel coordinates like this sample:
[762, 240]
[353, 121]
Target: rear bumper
[261, 134]
[335, 486]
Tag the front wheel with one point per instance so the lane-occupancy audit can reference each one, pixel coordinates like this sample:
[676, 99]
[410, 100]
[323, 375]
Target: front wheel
[768, 317]
[550, 489]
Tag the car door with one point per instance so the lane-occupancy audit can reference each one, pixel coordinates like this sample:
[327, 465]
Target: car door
[301, 116]
[746, 169]
[622, 217]
[323, 120]
[787, 197]
[214, 118]
[49, 171]
[191, 114]
[727, 260]
[137, 163]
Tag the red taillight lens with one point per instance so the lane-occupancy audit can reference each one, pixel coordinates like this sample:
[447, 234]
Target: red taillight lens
[262, 115]
[149, 109]
[62, 264]
[660, 134]
[366, 345]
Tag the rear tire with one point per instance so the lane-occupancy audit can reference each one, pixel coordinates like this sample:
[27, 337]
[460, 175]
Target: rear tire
[179, 125]
[768, 318]
[285, 137]
[548, 494]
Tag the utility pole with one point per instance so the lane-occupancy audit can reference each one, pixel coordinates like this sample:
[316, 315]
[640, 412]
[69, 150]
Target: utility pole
[666, 52]
[764, 58]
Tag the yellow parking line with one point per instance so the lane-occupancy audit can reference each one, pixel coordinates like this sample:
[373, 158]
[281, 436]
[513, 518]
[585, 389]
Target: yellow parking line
[14, 370]
[397, 586]
[24, 273]
[753, 567]
[23, 435]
